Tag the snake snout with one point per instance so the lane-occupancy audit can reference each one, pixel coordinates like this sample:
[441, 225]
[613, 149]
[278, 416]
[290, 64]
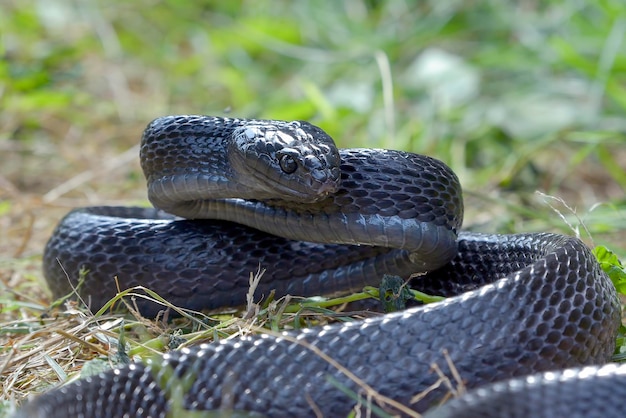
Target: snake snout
[320, 176]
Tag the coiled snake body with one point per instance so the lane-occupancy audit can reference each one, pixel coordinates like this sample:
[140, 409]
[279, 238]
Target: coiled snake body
[322, 221]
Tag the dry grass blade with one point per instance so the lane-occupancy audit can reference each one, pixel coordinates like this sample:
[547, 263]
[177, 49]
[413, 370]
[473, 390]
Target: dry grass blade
[252, 308]
[67, 341]
[367, 389]
[88, 175]
[445, 380]
[560, 214]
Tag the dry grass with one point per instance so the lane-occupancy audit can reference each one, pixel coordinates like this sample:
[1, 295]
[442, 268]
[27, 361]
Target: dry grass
[44, 347]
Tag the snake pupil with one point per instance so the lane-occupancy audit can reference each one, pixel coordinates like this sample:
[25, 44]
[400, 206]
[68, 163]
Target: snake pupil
[288, 164]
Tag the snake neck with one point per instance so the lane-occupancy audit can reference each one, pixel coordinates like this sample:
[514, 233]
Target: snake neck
[179, 145]
[289, 179]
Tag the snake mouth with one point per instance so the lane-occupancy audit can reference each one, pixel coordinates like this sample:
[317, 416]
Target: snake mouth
[304, 190]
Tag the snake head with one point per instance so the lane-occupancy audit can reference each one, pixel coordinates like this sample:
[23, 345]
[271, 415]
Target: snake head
[293, 161]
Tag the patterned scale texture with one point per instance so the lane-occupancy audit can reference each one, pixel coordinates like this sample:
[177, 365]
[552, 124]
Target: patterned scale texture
[200, 264]
[558, 310]
[589, 392]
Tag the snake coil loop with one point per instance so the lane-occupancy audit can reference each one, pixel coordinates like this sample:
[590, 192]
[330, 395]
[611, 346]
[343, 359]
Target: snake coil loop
[323, 221]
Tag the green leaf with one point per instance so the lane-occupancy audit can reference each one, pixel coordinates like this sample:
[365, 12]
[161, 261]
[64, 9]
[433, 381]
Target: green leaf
[612, 267]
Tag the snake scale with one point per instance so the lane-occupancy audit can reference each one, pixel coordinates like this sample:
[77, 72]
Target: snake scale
[236, 194]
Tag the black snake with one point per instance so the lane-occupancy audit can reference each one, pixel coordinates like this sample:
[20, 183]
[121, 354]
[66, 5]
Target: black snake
[322, 221]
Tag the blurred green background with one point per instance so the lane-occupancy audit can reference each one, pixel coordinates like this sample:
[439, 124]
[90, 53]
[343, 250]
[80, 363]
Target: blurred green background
[525, 100]
[517, 96]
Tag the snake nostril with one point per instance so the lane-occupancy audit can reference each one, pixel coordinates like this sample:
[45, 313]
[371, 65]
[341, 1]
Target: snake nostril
[319, 175]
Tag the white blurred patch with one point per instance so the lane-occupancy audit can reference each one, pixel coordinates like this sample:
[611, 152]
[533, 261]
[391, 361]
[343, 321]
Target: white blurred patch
[449, 80]
[562, 104]
[352, 95]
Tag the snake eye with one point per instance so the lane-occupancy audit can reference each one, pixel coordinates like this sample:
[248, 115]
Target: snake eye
[288, 164]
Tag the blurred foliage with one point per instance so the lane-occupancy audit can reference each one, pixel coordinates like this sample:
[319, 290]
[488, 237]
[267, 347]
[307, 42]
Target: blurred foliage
[500, 90]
